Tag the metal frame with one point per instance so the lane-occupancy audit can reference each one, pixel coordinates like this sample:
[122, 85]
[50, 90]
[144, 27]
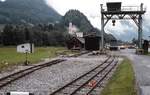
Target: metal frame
[135, 15]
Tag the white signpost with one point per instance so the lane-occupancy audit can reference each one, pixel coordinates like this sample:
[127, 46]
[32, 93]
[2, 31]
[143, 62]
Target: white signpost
[19, 93]
[25, 48]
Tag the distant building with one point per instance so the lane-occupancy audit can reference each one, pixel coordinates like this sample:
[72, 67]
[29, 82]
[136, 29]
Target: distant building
[76, 42]
[72, 29]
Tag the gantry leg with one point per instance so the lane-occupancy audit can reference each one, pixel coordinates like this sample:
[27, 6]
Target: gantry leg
[102, 31]
[140, 31]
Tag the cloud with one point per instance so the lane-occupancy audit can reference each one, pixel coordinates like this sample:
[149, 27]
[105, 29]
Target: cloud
[127, 30]
[2, 0]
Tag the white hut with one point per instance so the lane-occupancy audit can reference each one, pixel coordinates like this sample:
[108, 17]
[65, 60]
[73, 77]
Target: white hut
[25, 48]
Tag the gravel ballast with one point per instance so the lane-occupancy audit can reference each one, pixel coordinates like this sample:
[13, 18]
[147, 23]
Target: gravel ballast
[47, 80]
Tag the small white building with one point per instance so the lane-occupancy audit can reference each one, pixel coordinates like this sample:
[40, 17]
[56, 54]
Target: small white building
[25, 48]
[72, 29]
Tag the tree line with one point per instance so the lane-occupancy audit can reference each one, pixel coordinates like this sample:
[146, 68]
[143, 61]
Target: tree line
[40, 35]
[48, 34]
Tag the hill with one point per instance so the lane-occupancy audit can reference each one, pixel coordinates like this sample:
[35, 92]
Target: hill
[78, 19]
[81, 21]
[27, 11]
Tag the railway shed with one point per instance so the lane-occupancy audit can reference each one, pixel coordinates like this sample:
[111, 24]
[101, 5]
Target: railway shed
[92, 42]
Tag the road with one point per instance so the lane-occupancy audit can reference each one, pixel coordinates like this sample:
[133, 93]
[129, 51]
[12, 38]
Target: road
[141, 65]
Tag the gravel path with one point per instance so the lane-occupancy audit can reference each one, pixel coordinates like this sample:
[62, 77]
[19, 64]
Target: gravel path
[46, 80]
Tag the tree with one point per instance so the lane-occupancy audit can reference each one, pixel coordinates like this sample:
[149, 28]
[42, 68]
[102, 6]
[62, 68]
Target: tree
[40, 35]
[135, 41]
[7, 35]
[27, 34]
[19, 35]
[1, 38]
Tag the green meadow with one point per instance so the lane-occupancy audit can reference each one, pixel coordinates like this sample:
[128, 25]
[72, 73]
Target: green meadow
[9, 55]
[122, 82]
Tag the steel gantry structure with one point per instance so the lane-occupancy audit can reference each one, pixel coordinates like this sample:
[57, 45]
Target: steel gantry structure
[114, 11]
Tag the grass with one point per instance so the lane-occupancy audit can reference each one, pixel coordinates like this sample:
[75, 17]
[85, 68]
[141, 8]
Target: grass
[122, 82]
[10, 56]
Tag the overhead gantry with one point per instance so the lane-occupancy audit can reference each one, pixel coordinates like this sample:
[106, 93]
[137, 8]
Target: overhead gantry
[114, 11]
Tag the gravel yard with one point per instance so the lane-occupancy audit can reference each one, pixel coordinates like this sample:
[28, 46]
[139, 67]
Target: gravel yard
[48, 79]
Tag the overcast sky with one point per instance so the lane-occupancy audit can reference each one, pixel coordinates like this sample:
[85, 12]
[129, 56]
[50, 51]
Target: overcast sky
[91, 8]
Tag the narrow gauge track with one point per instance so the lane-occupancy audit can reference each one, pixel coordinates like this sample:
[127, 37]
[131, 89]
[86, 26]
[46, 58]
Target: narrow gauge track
[80, 86]
[17, 75]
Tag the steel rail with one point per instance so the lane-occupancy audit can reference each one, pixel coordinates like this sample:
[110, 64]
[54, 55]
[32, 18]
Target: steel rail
[12, 77]
[19, 74]
[88, 93]
[91, 78]
[80, 77]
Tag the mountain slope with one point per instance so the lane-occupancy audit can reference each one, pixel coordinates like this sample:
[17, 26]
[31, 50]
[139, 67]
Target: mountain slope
[21, 11]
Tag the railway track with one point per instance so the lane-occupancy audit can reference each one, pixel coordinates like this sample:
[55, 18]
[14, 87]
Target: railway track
[17, 75]
[85, 84]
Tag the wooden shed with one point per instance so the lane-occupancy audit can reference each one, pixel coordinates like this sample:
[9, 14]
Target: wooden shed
[75, 43]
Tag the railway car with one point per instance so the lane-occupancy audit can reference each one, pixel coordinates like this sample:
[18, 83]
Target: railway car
[92, 42]
[114, 45]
